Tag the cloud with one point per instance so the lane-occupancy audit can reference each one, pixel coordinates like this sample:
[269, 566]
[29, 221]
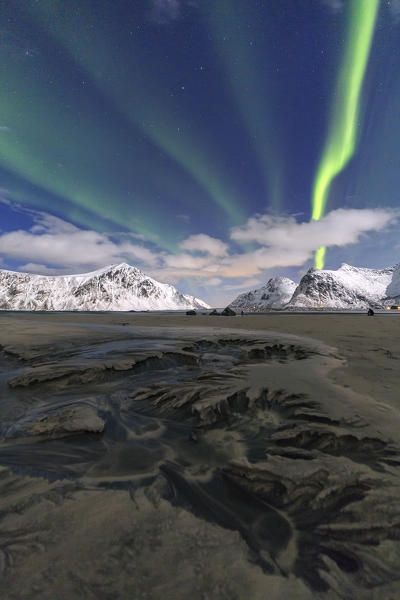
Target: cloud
[184, 218]
[38, 269]
[394, 8]
[185, 261]
[142, 254]
[285, 235]
[247, 284]
[164, 12]
[204, 243]
[282, 242]
[54, 246]
[334, 5]
[136, 236]
[53, 241]
[46, 223]
[337, 6]
[213, 281]
[127, 235]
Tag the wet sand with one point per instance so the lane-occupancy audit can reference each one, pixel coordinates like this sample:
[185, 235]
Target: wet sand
[162, 456]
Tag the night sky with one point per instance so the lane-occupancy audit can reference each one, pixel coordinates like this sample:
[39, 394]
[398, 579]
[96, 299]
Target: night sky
[189, 137]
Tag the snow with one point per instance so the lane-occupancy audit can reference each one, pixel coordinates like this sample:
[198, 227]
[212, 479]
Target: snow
[393, 289]
[115, 287]
[345, 288]
[124, 287]
[274, 294]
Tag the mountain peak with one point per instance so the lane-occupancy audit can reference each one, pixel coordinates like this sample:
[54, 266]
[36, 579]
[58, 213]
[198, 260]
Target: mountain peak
[274, 294]
[345, 288]
[117, 268]
[122, 265]
[117, 287]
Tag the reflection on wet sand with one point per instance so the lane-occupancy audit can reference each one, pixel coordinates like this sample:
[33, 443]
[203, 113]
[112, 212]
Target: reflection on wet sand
[146, 463]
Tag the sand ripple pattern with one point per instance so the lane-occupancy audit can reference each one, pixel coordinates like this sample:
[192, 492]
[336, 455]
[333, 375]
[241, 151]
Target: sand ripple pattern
[185, 465]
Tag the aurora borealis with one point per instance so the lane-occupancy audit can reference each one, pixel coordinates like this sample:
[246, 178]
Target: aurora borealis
[158, 120]
[341, 139]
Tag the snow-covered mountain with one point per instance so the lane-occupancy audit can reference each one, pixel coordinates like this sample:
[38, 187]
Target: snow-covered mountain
[116, 287]
[346, 288]
[274, 294]
[393, 290]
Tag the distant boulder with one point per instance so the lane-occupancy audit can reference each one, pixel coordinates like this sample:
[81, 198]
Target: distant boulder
[191, 312]
[228, 312]
[214, 312]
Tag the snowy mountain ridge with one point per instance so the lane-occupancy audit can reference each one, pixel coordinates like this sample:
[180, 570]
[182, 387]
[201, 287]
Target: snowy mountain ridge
[115, 287]
[347, 288]
[274, 294]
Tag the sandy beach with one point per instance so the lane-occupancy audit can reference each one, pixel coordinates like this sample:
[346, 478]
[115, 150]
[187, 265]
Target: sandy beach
[369, 345]
[172, 456]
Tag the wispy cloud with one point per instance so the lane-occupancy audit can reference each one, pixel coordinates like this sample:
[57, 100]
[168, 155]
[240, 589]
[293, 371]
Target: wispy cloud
[164, 12]
[205, 244]
[394, 8]
[213, 281]
[336, 6]
[281, 242]
[53, 241]
[338, 228]
[50, 224]
[185, 218]
[333, 5]
[39, 269]
[244, 285]
[285, 242]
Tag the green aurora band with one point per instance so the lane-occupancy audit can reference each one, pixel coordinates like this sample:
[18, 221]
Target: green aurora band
[239, 60]
[341, 140]
[62, 155]
[139, 101]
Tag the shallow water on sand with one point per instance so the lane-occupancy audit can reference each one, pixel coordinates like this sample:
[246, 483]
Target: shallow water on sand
[191, 443]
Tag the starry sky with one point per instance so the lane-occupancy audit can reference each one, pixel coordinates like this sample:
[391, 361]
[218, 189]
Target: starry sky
[214, 144]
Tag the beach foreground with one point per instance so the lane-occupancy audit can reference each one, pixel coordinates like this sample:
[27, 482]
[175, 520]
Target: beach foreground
[163, 456]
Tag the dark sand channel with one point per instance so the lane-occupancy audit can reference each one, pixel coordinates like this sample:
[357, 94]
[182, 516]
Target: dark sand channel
[173, 457]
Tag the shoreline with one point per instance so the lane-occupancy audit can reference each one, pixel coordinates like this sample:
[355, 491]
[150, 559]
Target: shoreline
[371, 346]
[256, 453]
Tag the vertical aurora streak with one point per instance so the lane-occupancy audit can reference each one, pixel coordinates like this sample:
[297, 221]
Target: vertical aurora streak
[341, 140]
[252, 93]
